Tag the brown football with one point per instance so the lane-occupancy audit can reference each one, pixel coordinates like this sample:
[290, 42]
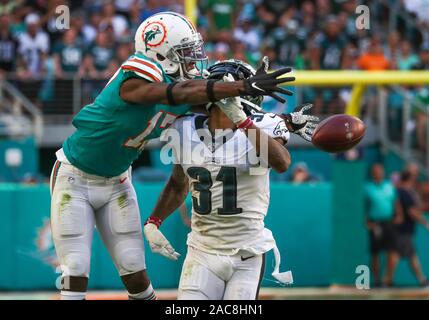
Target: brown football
[338, 133]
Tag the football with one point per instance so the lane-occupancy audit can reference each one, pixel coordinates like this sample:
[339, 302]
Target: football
[338, 133]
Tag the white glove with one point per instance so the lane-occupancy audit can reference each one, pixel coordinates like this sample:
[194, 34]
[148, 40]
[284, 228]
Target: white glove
[232, 106]
[158, 243]
[303, 124]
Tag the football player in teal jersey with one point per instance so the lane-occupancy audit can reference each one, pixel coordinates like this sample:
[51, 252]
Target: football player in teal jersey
[91, 180]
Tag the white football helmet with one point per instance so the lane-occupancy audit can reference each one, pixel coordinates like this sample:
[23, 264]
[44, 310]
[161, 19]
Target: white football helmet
[171, 40]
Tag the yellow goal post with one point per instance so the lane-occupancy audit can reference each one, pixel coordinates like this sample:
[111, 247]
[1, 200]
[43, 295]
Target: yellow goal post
[359, 80]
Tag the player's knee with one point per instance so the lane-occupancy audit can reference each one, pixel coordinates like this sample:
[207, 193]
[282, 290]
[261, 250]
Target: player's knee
[136, 282]
[76, 265]
[132, 260]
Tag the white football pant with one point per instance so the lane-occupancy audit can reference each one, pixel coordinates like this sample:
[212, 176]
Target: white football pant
[82, 201]
[219, 277]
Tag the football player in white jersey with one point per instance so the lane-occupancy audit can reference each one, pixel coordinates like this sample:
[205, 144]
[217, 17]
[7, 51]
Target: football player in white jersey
[227, 173]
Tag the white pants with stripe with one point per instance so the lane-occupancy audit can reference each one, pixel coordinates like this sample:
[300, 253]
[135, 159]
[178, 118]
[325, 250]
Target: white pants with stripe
[218, 277]
[79, 203]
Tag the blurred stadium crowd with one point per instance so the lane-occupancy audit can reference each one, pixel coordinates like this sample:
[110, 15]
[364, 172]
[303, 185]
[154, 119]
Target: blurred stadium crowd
[310, 34]
[62, 70]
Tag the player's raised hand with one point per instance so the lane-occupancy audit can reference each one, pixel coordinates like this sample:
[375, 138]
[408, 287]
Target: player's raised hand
[158, 243]
[302, 124]
[266, 84]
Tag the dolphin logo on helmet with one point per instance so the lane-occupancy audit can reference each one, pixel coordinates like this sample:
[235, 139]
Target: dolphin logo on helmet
[153, 30]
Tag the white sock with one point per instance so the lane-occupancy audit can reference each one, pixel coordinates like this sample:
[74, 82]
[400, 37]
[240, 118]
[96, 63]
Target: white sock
[148, 294]
[72, 295]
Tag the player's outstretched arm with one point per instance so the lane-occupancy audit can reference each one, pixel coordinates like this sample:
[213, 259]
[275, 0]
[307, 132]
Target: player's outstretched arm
[203, 91]
[278, 157]
[300, 123]
[171, 198]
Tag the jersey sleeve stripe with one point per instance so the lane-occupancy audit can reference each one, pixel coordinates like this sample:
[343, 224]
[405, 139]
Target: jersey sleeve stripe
[142, 73]
[148, 64]
[145, 68]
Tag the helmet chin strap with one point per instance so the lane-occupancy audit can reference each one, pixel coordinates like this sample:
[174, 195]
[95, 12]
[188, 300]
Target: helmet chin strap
[194, 72]
[182, 76]
[188, 75]
[183, 73]
[180, 73]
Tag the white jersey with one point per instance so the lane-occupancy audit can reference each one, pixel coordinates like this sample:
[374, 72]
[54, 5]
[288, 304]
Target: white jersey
[230, 200]
[32, 48]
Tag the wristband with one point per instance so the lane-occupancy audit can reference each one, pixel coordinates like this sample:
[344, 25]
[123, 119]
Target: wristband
[209, 90]
[170, 97]
[156, 221]
[245, 124]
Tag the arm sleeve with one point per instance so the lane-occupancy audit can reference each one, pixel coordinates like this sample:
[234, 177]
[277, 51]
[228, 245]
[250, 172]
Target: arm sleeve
[143, 69]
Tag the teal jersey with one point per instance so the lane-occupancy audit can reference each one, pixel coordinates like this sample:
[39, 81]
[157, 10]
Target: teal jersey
[101, 56]
[381, 200]
[71, 56]
[111, 133]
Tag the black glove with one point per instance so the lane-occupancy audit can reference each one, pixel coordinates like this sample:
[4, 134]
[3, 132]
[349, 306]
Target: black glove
[264, 83]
